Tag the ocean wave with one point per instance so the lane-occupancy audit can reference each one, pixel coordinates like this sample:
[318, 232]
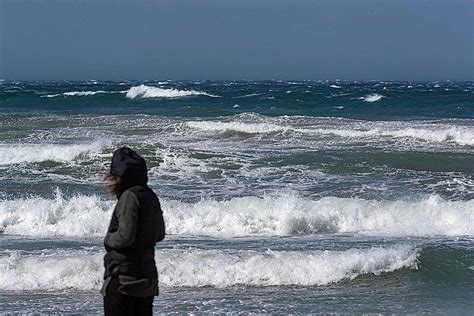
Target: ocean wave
[28, 153]
[457, 134]
[374, 97]
[292, 215]
[82, 216]
[241, 127]
[219, 268]
[59, 270]
[460, 135]
[283, 215]
[81, 93]
[143, 91]
[82, 270]
[335, 86]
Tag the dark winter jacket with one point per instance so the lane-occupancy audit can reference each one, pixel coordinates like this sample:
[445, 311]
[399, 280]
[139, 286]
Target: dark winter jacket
[136, 224]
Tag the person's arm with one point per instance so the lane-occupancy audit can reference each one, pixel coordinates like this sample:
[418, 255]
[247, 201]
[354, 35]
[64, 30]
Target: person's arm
[161, 225]
[127, 214]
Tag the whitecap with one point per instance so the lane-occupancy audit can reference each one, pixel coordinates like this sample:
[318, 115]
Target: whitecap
[143, 91]
[83, 269]
[249, 95]
[80, 215]
[283, 215]
[29, 153]
[80, 93]
[241, 127]
[456, 134]
[374, 97]
[291, 215]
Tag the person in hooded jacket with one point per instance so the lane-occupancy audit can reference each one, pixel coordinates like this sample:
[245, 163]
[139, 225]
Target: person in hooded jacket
[131, 278]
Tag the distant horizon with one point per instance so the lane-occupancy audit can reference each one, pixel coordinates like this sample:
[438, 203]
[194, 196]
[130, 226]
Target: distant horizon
[230, 80]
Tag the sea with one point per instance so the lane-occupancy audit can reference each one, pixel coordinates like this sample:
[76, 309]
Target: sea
[280, 197]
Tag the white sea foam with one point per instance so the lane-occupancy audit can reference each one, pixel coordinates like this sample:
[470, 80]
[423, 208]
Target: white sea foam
[78, 216]
[58, 270]
[28, 153]
[179, 164]
[456, 134]
[241, 127]
[143, 91]
[291, 215]
[273, 268]
[335, 86]
[82, 270]
[248, 216]
[374, 97]
[80, 93]
[249, 95]
[461, 135]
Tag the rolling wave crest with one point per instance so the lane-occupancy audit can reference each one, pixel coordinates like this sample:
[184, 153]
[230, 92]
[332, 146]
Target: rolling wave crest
[283, 215]
[66, 269]
[143, 91]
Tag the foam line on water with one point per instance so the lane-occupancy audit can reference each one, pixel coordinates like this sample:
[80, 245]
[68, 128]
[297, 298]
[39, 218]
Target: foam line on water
[144, 91]
[29, 153]
[82, 269]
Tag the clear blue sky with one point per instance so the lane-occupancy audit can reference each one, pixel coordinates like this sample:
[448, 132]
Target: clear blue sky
[230, 39]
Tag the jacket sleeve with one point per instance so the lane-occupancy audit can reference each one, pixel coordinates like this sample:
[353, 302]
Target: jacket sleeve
[161, 225]
[127, 214]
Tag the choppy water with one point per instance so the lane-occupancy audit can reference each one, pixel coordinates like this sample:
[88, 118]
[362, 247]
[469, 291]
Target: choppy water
[279, 197]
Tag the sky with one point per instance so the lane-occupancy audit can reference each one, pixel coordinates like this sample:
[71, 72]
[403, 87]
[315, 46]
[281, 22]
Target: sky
[231, 40]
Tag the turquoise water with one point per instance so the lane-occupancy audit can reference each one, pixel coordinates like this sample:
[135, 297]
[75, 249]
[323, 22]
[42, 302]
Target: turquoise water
[279, 197]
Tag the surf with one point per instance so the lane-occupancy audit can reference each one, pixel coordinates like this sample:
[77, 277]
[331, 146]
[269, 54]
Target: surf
[82, 269]
[277, 215]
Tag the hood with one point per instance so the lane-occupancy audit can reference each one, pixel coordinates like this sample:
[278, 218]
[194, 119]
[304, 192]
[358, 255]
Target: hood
[129, 165]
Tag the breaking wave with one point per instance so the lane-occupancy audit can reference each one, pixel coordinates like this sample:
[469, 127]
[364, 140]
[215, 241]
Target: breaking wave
[283, 215]
[82, 270]
[241, 127]
[84, 216]
[291, 215]
[374, 97]
[81, 93]
[28, 153]
[275, 268]
[143, 91]
[459, 135]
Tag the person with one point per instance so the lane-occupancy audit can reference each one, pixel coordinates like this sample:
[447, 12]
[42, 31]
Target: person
[131, 278]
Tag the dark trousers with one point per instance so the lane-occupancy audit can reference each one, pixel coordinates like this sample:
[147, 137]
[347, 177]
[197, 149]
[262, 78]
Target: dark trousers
[118, 304]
